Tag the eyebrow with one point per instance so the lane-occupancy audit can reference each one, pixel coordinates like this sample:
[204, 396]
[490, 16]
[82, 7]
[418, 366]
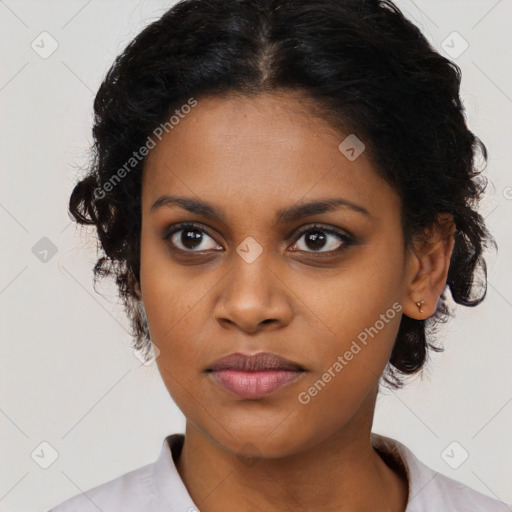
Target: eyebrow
[282, 216]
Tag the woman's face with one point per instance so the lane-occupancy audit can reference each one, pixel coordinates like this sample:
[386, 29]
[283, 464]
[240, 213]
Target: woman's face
[250, 280]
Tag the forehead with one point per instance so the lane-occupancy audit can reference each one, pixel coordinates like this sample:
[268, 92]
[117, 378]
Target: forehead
[267, 148]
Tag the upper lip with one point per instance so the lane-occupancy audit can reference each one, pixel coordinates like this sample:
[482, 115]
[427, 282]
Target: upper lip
[257, 362]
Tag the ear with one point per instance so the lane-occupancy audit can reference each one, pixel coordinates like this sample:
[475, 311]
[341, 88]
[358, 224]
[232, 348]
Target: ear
[428, 266]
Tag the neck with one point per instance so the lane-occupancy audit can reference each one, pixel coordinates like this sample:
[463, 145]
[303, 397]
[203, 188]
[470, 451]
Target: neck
[342, 473]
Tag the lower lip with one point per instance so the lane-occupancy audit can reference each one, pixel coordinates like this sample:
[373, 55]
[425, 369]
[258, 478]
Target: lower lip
[253, 385]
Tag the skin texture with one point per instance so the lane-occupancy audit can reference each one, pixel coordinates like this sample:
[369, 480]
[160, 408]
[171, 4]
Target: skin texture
[251, 158]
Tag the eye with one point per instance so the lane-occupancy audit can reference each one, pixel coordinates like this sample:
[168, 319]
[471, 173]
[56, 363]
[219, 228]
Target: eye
[190, 238]
[322, 239]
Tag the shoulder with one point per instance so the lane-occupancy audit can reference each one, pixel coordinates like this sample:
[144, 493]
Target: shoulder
[430, 490]
[131, 491]
[153, 487]
[455, 495]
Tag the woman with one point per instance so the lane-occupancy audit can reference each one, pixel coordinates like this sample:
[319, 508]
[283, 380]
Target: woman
[284, 192]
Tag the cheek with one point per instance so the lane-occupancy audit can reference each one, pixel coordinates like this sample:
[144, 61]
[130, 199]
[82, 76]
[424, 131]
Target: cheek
[355, 303]
[172, 312]
[352, 364]
[168, 298]
[173, 309]
[166, 294]
[360, 314]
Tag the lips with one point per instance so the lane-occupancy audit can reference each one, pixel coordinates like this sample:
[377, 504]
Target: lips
[254, 363]
[256, 376]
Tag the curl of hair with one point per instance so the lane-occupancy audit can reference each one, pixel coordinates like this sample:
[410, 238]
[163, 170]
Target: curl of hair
[359, 64]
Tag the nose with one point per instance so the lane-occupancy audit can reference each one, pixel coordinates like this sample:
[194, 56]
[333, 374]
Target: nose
[254, 297]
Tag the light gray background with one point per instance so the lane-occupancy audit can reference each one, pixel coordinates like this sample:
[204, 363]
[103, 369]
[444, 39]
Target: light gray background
[68, 374]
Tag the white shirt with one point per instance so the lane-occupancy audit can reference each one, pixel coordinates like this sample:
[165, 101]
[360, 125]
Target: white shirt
[158, 487]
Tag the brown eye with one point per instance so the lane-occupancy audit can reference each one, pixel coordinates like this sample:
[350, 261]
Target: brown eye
[320, 239]
[190, 238]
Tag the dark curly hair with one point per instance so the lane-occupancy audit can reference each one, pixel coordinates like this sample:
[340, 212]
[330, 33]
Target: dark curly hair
[361, 65]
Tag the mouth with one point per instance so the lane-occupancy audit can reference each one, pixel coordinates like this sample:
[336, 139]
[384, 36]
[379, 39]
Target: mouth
[256, 376]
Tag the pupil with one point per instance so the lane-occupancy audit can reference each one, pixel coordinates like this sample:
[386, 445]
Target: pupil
[314, 238]
[191, 238]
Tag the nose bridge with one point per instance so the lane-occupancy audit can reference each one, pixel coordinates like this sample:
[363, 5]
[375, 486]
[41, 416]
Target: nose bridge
[251, 275]
[252, 293]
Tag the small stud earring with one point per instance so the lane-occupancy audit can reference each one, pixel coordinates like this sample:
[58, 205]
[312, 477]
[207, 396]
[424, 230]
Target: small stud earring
[419, 304]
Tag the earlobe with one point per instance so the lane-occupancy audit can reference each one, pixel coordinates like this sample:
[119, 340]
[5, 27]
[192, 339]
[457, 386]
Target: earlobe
[420, 304]
[429, 273]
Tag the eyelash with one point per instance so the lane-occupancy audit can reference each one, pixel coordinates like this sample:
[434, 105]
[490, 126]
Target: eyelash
[347, 240]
